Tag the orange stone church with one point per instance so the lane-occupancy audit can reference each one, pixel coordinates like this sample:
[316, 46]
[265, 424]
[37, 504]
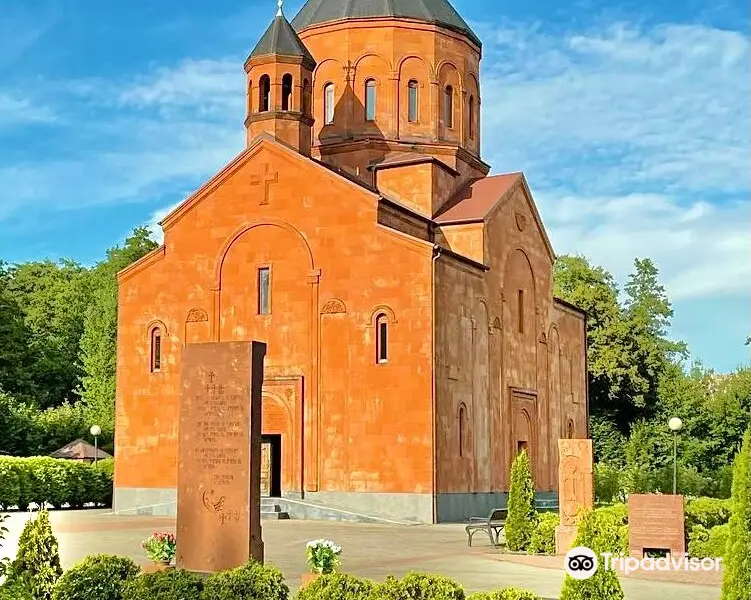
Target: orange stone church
[414, 343]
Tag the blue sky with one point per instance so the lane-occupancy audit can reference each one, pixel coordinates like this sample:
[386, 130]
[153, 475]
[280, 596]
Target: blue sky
[631, 121]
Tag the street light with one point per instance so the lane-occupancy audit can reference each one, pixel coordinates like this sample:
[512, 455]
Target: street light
[96, 431]
[675, 425]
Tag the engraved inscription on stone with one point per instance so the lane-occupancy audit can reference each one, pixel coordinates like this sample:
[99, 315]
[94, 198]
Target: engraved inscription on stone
[218, 512]
[656, 522]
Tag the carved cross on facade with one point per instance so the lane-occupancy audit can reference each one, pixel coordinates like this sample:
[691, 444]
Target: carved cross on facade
[212, 376]
[266, 178]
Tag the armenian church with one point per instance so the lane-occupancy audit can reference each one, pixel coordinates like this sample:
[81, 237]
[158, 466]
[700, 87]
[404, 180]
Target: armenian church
[404, 293]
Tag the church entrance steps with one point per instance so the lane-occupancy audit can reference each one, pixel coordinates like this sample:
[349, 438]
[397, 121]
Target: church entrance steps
[309, 511]
[271, 509]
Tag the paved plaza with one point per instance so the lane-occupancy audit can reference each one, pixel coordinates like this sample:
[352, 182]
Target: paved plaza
[372, 551]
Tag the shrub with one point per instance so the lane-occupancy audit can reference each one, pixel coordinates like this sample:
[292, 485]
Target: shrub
[506, 594]
[3, 531]
[252, 581]
[707, 512]
[608, 483]
[594, 532]
[522, 518]
[337, 586]
[37, 564]
[543, 537]
[99, 577]
[172, 584]
[14, 591]
[736, 582]
[45, 480]
[615, 513]
[419, 586]
[708, 543]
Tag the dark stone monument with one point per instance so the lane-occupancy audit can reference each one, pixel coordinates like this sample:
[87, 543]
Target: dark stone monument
[219, 456]
[656, 522]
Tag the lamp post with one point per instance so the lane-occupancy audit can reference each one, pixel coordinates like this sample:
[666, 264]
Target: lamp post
[96, 431]
[675, 425]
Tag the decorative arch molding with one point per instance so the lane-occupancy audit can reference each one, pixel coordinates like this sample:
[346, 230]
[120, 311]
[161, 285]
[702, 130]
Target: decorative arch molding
[431, 72]
[240, 231]
[320, 65]
[365, 55]
[543, 338]
[282, 403]
[334, 306]
[153, 325]
[496, 324]
[197, 315]
[382, 309]
[448, 63]
[508, 258]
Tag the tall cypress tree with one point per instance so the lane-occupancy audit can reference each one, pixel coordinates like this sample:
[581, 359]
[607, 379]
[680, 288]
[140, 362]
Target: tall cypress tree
[522, 518]
[736, 583]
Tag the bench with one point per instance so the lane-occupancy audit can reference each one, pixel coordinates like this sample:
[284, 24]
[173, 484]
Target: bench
[493, 524]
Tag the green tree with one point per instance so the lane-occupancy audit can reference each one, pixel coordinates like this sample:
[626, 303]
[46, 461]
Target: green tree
[37, 564]
[522, 518]
[98, 348]
[736, 583]
[15, 335]
[53, 297]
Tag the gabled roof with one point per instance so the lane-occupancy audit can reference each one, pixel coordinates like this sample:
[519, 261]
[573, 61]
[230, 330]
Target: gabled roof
[80, 450]
[440, 12]
[281, 39]
[476, 201]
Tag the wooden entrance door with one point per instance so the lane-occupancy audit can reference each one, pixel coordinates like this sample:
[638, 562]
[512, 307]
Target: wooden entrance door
[266, 461]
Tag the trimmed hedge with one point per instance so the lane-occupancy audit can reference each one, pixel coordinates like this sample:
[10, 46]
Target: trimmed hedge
[707, 512]
[708, 543]
[418, 586]
[506, 594]
[337, 586]
[53, 481]
[252, 581]
[99, 577]
[172, 584]
[543, 537]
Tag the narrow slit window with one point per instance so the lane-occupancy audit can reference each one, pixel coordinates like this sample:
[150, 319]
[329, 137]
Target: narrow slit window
[306, 97]
[370, 100]
[520, 310]
[264, 94]
[448, 106]
[570, 430]
[412, 107]
[328, 104]
[471, 117]
[264, 296]
[382, 339]
[287, 92]
[462, 432]
[156, 350]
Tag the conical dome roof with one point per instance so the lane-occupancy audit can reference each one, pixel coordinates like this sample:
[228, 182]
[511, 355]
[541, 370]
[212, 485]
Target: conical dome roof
[280, 38]
[439, 12]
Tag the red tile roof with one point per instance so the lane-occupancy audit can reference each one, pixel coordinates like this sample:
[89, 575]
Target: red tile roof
[80, 450]
[475, 201]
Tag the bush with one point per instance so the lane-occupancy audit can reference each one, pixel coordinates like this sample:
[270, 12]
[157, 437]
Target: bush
[707, 512]
[11, 591]
[99, 577]
[172, 584]
[337, 586]
[594, 533]
[37, 564]
[252, 581]
[45, 480]
[612, 521]
[736, 582]
[708, 543]
[522, 518]
[3, 531]
[418, 586]
[506, 594]
[608, 483]
[543, 537]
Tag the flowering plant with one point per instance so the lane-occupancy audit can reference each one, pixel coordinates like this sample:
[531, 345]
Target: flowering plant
[160, 547]
[323, 556]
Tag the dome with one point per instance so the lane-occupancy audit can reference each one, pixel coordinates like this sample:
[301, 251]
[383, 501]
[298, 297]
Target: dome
[440, 12]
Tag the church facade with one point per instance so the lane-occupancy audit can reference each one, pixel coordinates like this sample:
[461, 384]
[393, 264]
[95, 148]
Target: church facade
[414, 343]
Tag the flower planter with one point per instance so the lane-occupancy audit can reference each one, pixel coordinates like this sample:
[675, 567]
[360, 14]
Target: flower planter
[308, 578]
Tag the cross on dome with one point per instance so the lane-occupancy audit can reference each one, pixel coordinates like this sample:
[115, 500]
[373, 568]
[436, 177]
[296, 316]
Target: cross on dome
[280, 3]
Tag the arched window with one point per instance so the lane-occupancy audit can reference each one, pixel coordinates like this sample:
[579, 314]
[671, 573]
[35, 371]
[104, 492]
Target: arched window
[306, 97]
[570, 431]
[264, 291]
[448, 107]
[382, 339]
[370, 100]
[412, 91]
[328, 103]
[520, 311]
[156, 350]
[471, 117]
[462, 429]
[250, 97]
[287, 92]
[264, 93]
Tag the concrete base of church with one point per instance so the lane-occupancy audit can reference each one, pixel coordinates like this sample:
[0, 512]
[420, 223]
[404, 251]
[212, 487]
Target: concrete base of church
[159, 502]
[415, 508]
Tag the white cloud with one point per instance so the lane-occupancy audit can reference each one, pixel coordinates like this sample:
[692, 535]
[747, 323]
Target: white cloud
[16, 111]
[153, 224]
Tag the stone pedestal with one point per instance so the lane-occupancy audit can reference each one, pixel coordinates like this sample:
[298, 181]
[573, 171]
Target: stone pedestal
[219, 456]
[575, 488]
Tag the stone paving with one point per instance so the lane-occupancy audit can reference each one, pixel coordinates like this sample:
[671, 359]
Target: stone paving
[372, 551]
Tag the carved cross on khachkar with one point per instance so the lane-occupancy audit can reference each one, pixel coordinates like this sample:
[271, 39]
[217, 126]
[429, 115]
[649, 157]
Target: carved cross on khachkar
[266, 178]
